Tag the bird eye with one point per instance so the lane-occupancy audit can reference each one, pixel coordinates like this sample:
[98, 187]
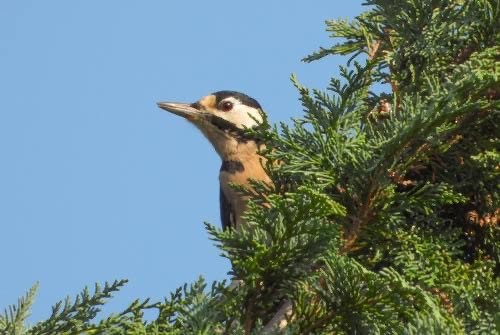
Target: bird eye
[226, 106]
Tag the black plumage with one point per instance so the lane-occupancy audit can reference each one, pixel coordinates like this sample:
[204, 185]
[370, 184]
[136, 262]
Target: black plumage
[227, 214]
[245, 99]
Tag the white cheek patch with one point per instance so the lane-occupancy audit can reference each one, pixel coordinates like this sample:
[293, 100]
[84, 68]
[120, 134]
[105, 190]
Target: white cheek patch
[245, 116]
[242, 116]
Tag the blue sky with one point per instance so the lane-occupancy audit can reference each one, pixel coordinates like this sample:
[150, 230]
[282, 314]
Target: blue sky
[96, 182]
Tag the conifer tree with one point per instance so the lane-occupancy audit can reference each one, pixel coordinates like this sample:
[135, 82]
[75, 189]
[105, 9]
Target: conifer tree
[383, 218]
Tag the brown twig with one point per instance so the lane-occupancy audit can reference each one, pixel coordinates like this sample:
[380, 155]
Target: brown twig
[373, 49]
[357, 222]
[249, 320]
[280, 319]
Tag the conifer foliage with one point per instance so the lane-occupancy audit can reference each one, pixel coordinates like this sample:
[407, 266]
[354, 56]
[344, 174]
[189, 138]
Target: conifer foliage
[383, 216]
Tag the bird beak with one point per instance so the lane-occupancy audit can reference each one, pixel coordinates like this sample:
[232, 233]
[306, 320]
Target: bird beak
[182, 109]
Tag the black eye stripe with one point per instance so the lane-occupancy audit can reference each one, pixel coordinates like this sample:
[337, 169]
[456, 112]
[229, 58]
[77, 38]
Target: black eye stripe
[230, 129]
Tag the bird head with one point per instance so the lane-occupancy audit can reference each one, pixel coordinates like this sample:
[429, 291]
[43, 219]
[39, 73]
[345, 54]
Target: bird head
[222, 117]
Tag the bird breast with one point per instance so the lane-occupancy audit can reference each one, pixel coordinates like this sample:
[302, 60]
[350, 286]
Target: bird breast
[240, 172]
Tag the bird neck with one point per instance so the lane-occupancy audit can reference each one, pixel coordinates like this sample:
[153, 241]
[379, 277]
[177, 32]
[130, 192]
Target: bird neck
[238, 150]
[231, 146]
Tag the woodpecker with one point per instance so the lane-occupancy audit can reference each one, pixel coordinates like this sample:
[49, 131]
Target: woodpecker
[222, 117]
